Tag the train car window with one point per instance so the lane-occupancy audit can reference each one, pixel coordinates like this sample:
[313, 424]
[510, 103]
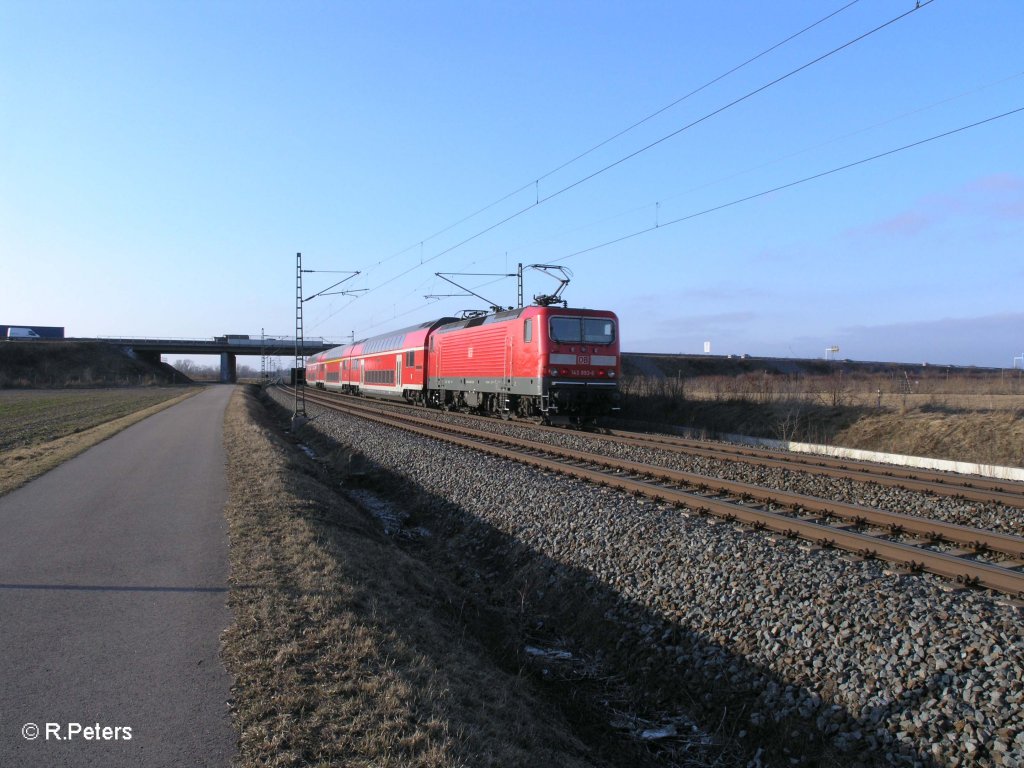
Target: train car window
[565, 329]
[528, 330]
[410, 359]
[589, 330]
[598, 330]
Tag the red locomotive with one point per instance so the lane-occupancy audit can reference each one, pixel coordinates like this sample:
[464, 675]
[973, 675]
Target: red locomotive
[558, 364]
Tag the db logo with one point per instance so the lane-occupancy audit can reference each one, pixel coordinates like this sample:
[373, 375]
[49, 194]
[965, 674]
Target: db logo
[583, 360]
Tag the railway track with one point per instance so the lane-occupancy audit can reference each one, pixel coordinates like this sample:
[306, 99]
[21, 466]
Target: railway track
[969, 487]
[974, 488]
[968, 556]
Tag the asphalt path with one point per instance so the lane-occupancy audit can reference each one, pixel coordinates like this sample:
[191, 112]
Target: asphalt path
[113, 597]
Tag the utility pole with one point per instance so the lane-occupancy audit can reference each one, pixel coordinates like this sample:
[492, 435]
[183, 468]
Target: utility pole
[299, 416]
[299, 410]
[263, 356]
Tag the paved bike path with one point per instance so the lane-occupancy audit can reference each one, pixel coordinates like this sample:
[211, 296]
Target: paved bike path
[113, 590]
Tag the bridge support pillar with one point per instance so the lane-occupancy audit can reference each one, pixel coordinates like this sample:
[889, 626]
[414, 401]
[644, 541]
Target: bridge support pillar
[228, 374]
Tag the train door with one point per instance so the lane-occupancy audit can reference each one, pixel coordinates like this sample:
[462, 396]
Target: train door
[362, 371]
[509, 357]
[506, 375]
[398, 370]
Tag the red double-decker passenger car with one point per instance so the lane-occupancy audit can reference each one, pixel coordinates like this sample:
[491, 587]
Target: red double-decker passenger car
[556, 363]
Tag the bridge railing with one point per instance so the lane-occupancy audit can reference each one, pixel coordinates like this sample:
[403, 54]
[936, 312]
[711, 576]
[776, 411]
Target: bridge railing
[275, 341]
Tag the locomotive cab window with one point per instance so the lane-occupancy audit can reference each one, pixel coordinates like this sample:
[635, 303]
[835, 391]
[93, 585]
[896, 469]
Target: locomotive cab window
[598, 330]
[528, 330]
[588, 330]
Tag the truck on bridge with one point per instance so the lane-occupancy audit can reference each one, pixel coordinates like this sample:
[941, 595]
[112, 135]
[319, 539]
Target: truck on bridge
[31, 332]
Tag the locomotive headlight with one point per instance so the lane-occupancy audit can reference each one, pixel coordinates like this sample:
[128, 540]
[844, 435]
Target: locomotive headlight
[611, 374]
[553, 371]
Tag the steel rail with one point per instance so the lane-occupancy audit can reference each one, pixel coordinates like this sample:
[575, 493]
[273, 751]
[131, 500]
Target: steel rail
[951, 566]
[972, 488]
[926, 528]
[956, 485]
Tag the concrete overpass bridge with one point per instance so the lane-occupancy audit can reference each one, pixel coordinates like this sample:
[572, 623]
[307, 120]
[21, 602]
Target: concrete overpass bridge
[228, 347]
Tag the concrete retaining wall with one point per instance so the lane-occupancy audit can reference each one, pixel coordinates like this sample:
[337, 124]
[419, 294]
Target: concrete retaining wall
[922, 462]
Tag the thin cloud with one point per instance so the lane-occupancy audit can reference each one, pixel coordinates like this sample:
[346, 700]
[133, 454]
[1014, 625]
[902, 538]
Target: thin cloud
[997, 182]
[990, 340]
[997, 196]
[1011, 211]
[717, 293]
[701, 325]
[907, 224]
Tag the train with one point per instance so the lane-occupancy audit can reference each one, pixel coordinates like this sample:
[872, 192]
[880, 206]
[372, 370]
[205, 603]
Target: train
[544, 363]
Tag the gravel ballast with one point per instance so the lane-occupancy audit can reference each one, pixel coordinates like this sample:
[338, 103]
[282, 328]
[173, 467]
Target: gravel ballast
[885, 668]
[993, 517]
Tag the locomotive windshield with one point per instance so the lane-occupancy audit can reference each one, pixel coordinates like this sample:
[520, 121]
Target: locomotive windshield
[586, 330]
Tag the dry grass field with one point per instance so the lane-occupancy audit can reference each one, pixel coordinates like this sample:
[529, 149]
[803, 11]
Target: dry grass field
[975, 417]
[345, 650]
[32, 416]
[40, 429]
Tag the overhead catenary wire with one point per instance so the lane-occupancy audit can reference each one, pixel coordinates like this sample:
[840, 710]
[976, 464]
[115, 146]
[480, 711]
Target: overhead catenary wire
[535, 183]
[778, 188]
[739, 100]
[759, 166]
[695, 91]
[540, 201]
[790, 184]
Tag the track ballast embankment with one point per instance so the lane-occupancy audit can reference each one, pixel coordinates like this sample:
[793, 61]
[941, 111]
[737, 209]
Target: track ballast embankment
[784, 642]
[912, 542]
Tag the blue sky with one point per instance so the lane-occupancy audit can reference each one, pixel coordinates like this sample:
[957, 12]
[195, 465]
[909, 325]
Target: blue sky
[161, 163]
